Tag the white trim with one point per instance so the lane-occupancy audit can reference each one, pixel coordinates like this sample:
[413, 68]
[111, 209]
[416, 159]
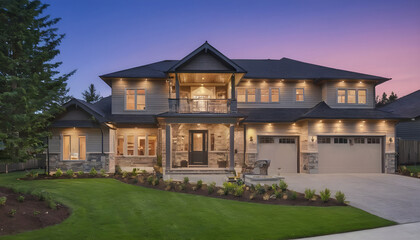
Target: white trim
[135, 100]
[303, 94]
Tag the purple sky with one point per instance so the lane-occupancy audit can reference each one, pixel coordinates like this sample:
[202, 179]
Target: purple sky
[374, 37]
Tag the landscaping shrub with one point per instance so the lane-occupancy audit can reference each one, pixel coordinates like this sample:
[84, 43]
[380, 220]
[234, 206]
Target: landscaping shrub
[21, 198]
[169, 184]
[32, 174]
[143, 171]
[199, 184]
[150, 179]
[274, 186]
[186, 180]
[12, 212]
[283, 185]
[182, 186]
[135, 180]
[252, 196]
[309, 194]
[239, 181]
[238, 190]
[103, 172]
[93, 172]
[259, 189]
[159, 160]
[228, 187]
[340, 197]
[325, 195]
[278, 194]
[3, 201]
[293, 195]
[155, 181]
[52, 204]
[134, 172]
[36, 213]
[211, 187]
[125, 174]
[70, 173]
[118, 170]
[221, 192]
[80, 173]
[58, 173]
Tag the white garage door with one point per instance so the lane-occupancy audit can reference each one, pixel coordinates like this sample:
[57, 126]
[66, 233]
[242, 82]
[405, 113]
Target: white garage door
[350, 154]
[282, 151]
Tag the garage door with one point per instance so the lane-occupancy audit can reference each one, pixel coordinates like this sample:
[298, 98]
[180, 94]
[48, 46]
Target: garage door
[350, 154]
[282, 151]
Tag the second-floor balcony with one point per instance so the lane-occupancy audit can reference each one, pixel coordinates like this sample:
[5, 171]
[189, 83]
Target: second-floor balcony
[186, 105]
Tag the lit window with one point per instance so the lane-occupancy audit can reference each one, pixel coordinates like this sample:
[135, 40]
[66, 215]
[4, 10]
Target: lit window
[82, 147]
[275, 95]
[250, 95]
[341, 96]
[66, 147]
[130, 145]
[141, 145]
[361, 96]
[120, 145]
[75, 150]
[152, 145]
[135, 99]
[299, 95]
[351, 96]
[265, 95]
[241, 95]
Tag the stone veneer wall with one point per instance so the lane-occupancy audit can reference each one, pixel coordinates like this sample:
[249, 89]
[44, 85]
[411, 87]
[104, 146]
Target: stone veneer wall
[93, 160]
[309, 162]
[134, 161]
[389, 162]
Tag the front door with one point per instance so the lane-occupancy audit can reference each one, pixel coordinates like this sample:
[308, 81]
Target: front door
[198, 147]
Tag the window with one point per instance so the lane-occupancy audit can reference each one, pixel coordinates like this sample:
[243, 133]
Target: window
[324, 140]
[359, 140]
[351, 96]
[82, 147]
[135, 99]
[130, 145]
[341, 96]
[66, 147]
[340, 140]
[275, 95]
[241, 95]
[120, 145]
[152, 145]
[299, 95]
[287, 140]
[265, 96]
[266, 139]
[250, 92]
[141, 145]
[373, 140]
[361, 98]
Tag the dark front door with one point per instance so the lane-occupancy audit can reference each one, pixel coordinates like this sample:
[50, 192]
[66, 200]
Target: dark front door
[198, 147]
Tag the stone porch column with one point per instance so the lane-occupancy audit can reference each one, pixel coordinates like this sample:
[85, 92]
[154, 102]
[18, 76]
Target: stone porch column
[232, 147]
[168, 148]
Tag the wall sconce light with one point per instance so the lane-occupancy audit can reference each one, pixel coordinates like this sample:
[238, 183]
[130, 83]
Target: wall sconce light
[313, 139]
[251, 139]
[390, 140]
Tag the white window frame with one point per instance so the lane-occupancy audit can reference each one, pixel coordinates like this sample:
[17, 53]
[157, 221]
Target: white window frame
[345, 96]
[136, 138]
[346, 90]
[260, 93]
[135, 99]
[303, 94]
[246, 95]
[366, 96]
[78, 146]
[270, 93]
[355, 97]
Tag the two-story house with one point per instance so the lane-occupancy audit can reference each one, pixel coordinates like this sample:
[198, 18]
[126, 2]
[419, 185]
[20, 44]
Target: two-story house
[210, 114]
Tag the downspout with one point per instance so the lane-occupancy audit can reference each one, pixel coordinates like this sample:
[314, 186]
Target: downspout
[102, 139]
[244, 144]
[47, 168]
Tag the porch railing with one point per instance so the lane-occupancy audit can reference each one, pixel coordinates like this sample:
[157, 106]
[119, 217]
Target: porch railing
[185, 105]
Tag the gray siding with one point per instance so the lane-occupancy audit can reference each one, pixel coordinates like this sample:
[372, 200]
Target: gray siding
[74, 114]
[93, 139]
[204, 61]
[312, 94]
[409, 130]
[157, 94]
[330, 88]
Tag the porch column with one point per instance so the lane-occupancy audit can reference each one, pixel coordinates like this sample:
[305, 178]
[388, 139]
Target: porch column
[232, 147]
[177, 86]
[168, 147]
[232, 86]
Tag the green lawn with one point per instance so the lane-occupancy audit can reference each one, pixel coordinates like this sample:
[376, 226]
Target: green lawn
[414, 168]
[109, 209]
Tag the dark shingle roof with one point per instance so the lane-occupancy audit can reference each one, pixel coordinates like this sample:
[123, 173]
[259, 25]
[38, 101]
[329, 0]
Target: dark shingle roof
[74, 123]
[408, 105]
[270, 69]
[323, 111]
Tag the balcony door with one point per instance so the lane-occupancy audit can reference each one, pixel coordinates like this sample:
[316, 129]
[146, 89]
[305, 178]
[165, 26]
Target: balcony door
[198, 150]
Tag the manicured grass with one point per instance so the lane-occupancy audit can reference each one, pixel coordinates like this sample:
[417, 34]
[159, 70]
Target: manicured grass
[413, 168]
[109, 209]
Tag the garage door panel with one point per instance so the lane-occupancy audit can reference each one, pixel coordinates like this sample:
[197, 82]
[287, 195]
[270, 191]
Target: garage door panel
[351, 157]
[281, 151]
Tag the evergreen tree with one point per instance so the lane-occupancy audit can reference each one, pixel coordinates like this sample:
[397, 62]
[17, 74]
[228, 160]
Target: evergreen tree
[90, 95]
[392, 97]
[385, 99]
[31, 88]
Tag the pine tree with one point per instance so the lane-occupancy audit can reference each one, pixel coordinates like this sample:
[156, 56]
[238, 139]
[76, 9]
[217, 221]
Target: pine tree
[385, 99]
[31, 89]
[90, 95]
[392, 97]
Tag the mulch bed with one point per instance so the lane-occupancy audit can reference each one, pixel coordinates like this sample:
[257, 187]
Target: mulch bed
[30, 214]
[64, 176]
[141, 180]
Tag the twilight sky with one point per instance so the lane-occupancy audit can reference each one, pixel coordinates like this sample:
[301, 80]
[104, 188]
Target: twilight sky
[378, 37]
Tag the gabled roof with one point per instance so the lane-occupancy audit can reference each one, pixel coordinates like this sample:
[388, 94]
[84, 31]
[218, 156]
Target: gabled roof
[88, 107]
[408, 105]
[287, 68]
[207, 48]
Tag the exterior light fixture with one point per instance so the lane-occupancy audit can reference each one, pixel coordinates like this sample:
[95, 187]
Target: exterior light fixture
[390, 140]
[251, 139]
[313, 139]
[294, 124]
[269, 124]
[198, 124]
[202, 78]
[360, 82]
[339, 121]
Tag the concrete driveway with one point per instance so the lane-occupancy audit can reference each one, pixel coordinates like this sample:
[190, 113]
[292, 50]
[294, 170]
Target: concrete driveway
[392, 197]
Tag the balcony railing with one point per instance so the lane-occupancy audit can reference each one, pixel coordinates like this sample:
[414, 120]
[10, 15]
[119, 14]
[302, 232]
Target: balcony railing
[185, 105]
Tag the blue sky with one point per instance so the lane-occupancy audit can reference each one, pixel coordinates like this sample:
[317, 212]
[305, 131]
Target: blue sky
[375, 37]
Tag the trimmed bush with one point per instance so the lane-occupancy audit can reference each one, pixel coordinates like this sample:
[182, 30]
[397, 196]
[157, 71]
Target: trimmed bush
[278, 194]
[259, 189]
[340, 197]
[293, 195]
[283, 185]
[3, 201]
[103, 172]
[58, 173]
[118, 170]
[309, 194]
[155, 181]
[70, 173]
[93, 172]
[228, 187]
[12, 212]
[238, 190]
[211, 187]
[186, 180]
[325, 195]
[80, 173]
[182, 186]
[21, 198]
[150, 180]
[32, 174]
[134, 172]
[125, 174]
[199, 184]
